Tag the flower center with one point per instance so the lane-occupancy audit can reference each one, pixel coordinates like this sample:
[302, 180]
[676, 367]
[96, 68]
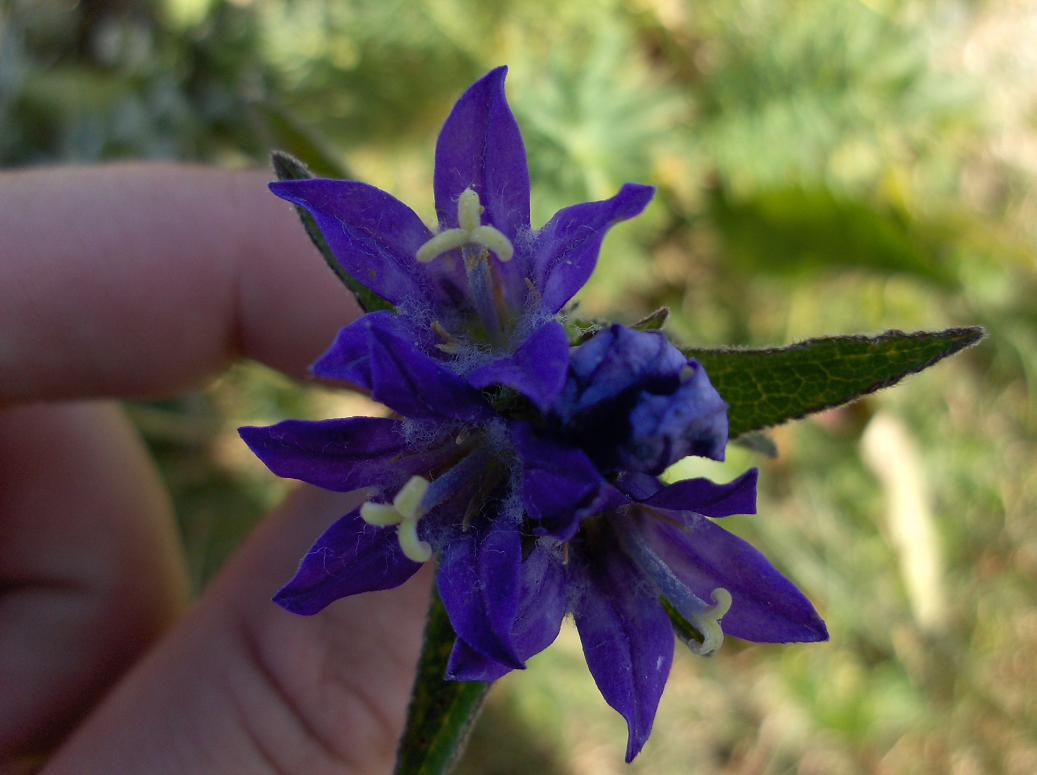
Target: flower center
[470, 232]
[473, 477]
[476, 241]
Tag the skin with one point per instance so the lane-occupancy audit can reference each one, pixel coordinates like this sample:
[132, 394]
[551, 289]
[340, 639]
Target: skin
[142, 281]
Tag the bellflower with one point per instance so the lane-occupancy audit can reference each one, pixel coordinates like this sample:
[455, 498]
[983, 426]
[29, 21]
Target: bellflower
[481, 294]
[526, 467]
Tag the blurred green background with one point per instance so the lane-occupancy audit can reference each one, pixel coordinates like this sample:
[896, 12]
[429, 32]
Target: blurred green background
[823, 166]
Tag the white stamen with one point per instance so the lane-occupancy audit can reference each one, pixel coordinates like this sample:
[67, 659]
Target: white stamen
[494, 241]
[708, 622]
[380, 514]
[705, 619]
[404, 511]
[413, 547]
[469, 210]
[442, 243]
[470, 232]
[408, 499]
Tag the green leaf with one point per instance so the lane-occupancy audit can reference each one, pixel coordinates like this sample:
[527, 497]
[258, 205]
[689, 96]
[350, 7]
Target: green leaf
[765, 387]
[441, 713]
[758, 442]
[653, 321]
[287, 167]
[580, 331]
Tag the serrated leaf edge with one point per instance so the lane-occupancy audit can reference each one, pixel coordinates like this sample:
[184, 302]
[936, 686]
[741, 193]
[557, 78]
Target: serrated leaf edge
[970, 336]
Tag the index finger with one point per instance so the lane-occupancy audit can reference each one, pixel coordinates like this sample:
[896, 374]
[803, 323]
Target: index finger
[141, 280]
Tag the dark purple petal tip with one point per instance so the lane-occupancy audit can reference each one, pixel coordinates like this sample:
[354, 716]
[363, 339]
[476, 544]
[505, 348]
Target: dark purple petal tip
[351, 557]
[340, 455]
[467, 664]
[567, 247]
[480, 147]
[627, 642]
[702, 496]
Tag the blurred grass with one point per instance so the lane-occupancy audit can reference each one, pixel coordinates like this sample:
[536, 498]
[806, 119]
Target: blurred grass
[823, 166]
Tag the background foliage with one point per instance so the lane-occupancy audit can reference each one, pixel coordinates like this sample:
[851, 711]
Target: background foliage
[824, 167]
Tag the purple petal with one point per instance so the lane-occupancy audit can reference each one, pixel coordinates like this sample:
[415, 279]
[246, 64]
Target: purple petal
[372, 352]
[349, 357]
[414, 385]
[638, 486]
[349, 558]
[627, 641]
[766, 607]
[542, 603]
[372, 234]
[340, 455]
[567, 247]
[537, 369]
[712, 500]
[480, 147]
[478, 581]
[467, 664]
[560, 485]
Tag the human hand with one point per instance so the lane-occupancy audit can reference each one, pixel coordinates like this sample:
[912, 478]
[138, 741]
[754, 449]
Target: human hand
[139, 281]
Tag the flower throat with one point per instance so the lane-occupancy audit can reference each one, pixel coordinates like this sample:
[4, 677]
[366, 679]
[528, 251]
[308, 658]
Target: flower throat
[476, 242]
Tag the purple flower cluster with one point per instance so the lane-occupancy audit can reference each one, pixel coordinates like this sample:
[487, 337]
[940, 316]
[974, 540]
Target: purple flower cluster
[528, 467]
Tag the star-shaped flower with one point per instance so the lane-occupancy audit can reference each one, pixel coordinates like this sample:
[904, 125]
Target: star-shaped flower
[527, 468]
[486, 283]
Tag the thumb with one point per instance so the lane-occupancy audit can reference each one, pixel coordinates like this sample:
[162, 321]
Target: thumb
[241, 686]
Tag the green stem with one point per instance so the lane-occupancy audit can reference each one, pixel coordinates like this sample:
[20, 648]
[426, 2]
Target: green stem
[441, 713]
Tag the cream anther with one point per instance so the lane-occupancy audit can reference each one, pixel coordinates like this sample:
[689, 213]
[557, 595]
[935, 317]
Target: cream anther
[470, 231]
[450, 344]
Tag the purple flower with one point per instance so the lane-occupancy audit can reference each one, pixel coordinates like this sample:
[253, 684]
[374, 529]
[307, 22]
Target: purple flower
[526, 467]
[624, 552]
[486, 283]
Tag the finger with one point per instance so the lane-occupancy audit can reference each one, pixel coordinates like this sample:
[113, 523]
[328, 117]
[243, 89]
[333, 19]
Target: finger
[89, 571]
[242, 686]
[138, 280]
